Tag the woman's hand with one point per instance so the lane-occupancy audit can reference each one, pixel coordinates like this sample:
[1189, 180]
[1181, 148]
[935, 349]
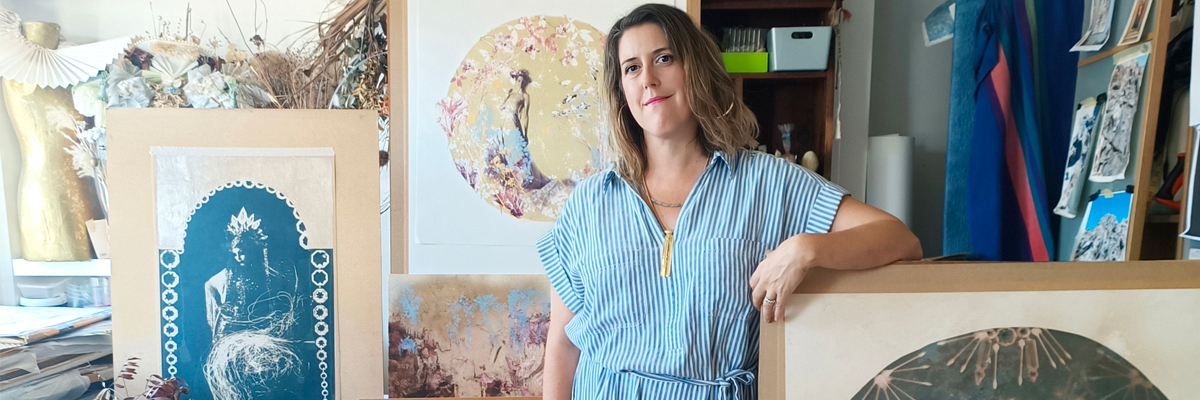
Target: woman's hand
[779, 273]
[860, 237]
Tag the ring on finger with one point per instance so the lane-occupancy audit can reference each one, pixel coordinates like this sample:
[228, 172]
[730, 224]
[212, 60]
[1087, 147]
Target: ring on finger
[769, 301]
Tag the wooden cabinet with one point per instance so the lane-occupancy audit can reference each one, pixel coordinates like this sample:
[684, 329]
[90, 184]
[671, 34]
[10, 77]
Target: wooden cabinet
[801, 98]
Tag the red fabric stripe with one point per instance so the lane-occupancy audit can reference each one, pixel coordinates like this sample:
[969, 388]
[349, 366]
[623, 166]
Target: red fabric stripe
[1016, 161]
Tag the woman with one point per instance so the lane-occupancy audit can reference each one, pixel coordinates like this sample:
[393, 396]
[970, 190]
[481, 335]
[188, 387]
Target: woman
[659, 264]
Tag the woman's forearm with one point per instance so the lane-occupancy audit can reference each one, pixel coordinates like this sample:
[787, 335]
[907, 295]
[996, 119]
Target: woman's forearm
[561, 361]
[868, 245]
[562, 357]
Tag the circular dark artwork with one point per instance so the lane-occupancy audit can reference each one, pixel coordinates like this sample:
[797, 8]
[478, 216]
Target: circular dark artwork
[1020, 363]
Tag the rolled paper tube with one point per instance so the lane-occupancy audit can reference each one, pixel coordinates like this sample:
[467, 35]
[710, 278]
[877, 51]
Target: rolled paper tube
[889, 175]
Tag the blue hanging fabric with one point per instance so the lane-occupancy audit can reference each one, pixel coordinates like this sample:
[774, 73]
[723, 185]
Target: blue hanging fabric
[997, 203]
[955, 238]
[1056, 102]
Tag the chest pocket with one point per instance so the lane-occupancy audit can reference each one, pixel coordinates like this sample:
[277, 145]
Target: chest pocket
[722, 284]
[616, 285]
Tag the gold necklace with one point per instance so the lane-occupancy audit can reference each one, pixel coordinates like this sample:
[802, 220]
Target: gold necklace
[668, 205]
[668, 234]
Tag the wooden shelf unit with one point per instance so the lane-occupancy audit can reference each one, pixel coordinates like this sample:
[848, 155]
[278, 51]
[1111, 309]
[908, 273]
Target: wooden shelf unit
[1146, 240]
[781, 75]
[801, 98]
[23, 268]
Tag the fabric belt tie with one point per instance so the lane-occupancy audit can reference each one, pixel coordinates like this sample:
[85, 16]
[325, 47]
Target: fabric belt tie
[730, 382]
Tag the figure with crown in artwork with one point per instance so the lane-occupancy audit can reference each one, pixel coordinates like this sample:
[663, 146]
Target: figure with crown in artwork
[251, 307]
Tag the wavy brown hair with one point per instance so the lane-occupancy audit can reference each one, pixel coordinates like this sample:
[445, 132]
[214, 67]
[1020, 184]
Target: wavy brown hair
[725, 122]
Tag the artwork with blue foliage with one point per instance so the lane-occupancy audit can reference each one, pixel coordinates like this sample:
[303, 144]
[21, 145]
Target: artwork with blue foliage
[467, 335]
[246, 273]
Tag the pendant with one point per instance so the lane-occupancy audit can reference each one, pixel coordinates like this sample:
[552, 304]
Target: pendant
[668, 245]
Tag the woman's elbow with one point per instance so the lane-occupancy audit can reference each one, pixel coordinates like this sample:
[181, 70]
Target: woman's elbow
[913, 250]
[560, 342]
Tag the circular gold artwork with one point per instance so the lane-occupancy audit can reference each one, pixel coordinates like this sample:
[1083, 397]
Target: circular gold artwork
[523, 117]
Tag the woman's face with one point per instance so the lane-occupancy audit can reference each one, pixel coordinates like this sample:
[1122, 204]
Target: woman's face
[652, 79]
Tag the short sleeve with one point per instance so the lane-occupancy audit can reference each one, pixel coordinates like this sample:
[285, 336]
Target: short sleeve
[558, 257]
[824, 207]
[816, 200]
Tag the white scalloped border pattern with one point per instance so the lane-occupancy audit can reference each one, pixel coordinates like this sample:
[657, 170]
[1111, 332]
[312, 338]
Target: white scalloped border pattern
[169, 296]
[252, 185]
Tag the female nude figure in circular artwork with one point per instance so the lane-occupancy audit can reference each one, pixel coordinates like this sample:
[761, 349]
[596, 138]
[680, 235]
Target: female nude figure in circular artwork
[522, 116]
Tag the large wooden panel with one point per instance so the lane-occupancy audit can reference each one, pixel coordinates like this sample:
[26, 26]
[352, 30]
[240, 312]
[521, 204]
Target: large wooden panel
[358, 287]
[1004, 280]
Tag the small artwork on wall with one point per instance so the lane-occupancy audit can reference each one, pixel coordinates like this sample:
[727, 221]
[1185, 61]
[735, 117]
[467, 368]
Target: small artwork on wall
[1082, 134]
[1137, 22]
[1105, 229]
[1099, 25]
[1116, 124]
[467, 335]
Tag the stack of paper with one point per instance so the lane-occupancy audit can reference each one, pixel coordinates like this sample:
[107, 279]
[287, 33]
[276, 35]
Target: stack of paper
[53, 352]
[23, 325]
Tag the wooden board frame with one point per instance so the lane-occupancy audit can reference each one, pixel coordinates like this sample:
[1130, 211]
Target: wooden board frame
[1155, 70]
[353, 136]
[980, 277]
[398, 131]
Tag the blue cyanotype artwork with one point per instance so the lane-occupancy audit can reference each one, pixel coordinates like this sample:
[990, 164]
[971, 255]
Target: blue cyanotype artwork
[246, 294]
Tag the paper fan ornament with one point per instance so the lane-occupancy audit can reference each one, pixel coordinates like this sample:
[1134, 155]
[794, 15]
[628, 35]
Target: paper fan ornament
[26, 62]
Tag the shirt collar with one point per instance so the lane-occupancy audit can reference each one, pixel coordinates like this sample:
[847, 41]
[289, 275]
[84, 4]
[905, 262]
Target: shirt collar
[719, 157]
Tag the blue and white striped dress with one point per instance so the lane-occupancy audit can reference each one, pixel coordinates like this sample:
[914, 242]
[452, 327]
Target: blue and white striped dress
[693, 334]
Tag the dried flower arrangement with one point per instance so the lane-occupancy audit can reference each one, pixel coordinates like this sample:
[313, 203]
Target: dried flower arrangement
[344, 67]
[157, 388]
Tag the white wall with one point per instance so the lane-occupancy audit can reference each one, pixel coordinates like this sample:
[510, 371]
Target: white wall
[911, 88]
[10, 173]
[8, 288]
[93, 20]
[854, 94]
